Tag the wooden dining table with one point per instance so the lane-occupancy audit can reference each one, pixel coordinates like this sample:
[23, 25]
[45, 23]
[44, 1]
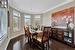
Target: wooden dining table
[39, 32]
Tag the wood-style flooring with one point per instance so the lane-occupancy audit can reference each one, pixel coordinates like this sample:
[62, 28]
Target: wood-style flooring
[20, 43]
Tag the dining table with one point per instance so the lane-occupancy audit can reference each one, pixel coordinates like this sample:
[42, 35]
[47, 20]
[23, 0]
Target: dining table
[38, 32]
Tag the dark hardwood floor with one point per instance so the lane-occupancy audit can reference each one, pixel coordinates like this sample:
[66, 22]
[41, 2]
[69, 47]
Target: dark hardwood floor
[19, 43]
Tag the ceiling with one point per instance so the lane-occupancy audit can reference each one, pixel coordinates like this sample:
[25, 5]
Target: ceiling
[36, 6]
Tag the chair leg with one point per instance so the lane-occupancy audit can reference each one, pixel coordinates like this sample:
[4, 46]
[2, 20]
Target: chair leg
[28, 40]
[48, 45]
[42, 46]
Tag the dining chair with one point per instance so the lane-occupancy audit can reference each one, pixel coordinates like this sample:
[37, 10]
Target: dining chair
[25, 30]
[43, 40]
[54, 32]
[49, 29]
[27, 33]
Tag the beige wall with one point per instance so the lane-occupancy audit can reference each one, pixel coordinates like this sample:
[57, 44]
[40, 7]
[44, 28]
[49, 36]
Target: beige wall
[46, 19]
[47, 16]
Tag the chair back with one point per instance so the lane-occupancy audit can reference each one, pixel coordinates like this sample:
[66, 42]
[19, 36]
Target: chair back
[54, 33]
[49, 31]
[42, 28]
[45, 32]
[27, 32]
[54, 30]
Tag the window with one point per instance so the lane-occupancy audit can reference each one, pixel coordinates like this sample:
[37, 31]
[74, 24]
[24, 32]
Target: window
[16, 16]
[37, 21]
[3, 3]
[0, 26]
[27, 20]
[3, 23]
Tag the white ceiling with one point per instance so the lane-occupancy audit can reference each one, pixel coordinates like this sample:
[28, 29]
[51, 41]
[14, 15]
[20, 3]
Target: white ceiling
[36, 6]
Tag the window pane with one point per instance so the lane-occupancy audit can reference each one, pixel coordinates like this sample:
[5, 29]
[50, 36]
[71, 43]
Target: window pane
[37, 16]
[15, 24]
[0, 27]
[27, 20]
[16, 16]
[3, 22]
[3, 3]
[27, 16]
[15, 13]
